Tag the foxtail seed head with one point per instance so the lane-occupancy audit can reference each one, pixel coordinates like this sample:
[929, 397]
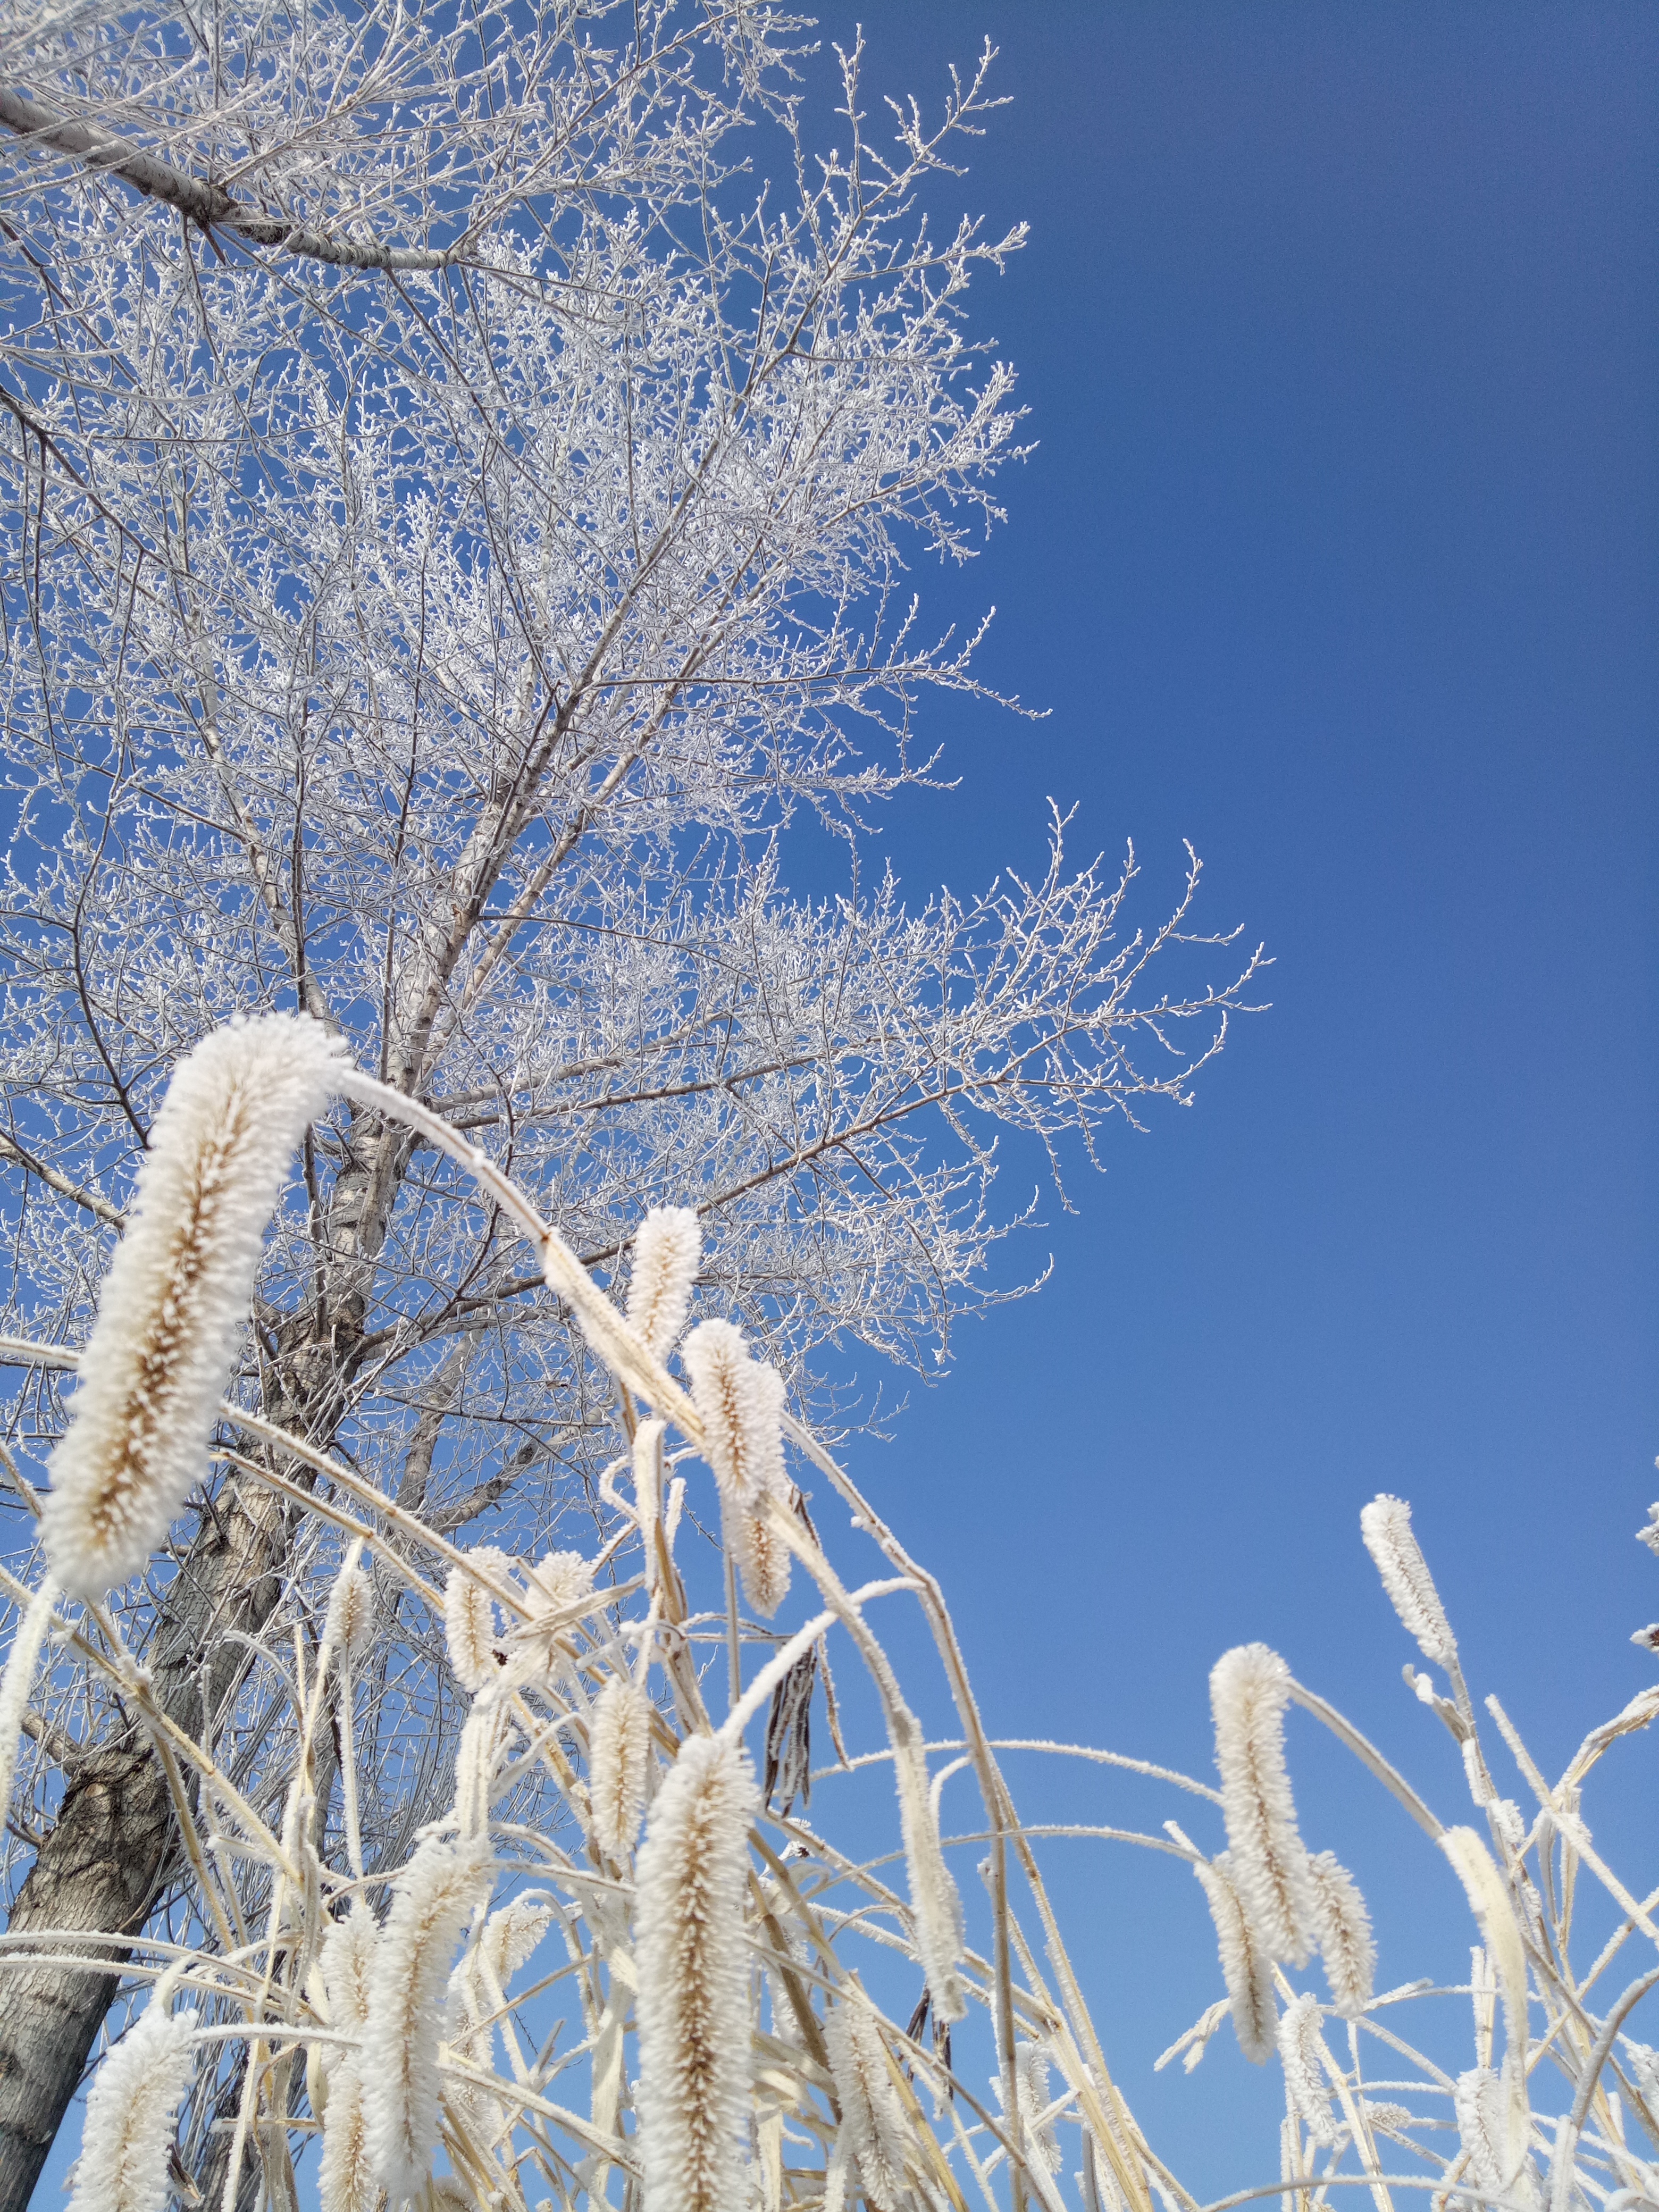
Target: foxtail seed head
[432, 1903]
[693, 1962]
[1342, 1928]
[1249, 1689]
[667, 1247]
[1385, 1526]
[1245, 1966]
[131, 2111]
[164, 1344]
[619, 1752]
[870, 2109]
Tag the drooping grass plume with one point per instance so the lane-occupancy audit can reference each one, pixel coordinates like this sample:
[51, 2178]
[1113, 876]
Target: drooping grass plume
[619, 1752]
[1245, 1966]
[1304, 2074]
[346, 2180]
[1249, 1689]
[1342, 1929]
[169, 1323]
[131, 2109]
[472, 1626]
[560, 1579]
[935, 1901]
[741, 1405]
[870, 2109]
[1490, 1901]
[667, 1247]
[432, 1902]
[346, 1963]
[1385, 1526]
[693, 1965]
[18, 1680]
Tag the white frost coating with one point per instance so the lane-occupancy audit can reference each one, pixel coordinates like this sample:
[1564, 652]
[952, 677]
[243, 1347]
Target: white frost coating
[1304, 2073]
[346, 1963]
[1489, 1902]
[131, 2111]
[1385, 1526]
[741, 1403]
[935, 1902]
[1342, 1928]
[692, 1957]
[560, 1579]
[432, 1902]
[619, 1748]
[1245, 1966]
[1249, 1689]
[472, 1626]
[667, 1247]
[163, 1347]
[871, 2114]
[1031, 2086]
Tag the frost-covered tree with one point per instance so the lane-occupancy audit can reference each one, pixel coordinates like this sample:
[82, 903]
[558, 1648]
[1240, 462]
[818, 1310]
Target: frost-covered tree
[462, 476]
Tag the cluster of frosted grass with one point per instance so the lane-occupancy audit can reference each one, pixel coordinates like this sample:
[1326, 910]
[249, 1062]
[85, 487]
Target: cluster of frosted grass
[667, 1991]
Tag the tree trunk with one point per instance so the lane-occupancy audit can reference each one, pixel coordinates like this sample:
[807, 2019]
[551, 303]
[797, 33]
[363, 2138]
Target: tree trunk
[113, 1851]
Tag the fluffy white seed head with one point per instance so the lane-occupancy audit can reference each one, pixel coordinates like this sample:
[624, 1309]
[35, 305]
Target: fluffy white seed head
[432, 1902]
[560, 1580]
[1305, 2085]
[511, 1935]
[870, 2109]
[472, 1627]
[349, 1622]
[170, 1316]
[132, 2110]
[693, 1964]
[1245, 1966]
[345, 2178]
[1480, 2104]
[1342, 1928]
[741, 1404]
[935, 1902]
[1385, 1526]
[346, 1963]
[1249, 1689]
[619, 1752]
[667, 1247]
[763, 1557]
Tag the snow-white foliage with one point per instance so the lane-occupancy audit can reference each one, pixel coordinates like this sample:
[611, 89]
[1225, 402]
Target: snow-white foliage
[1249, 1689]
[131, 2113]
[171, 1310]
[693, 1965]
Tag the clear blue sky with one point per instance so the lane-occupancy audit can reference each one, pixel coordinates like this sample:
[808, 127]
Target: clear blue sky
[1339, 331]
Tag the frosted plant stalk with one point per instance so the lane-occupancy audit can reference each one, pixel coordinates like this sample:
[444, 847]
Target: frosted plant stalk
[164, 1344]
[131, 2111]
[1342, 1928]
[1385, 1526]
[693, 1964]
[870, 2109]
[1249, 1689]
[1245, 1966]
[667, 1247]
[1479, 2103]
[434, 1900]
[619, 1750]
[1304, 2072]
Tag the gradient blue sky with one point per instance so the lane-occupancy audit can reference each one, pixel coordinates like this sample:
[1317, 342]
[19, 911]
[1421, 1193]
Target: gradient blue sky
[1339, 331]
